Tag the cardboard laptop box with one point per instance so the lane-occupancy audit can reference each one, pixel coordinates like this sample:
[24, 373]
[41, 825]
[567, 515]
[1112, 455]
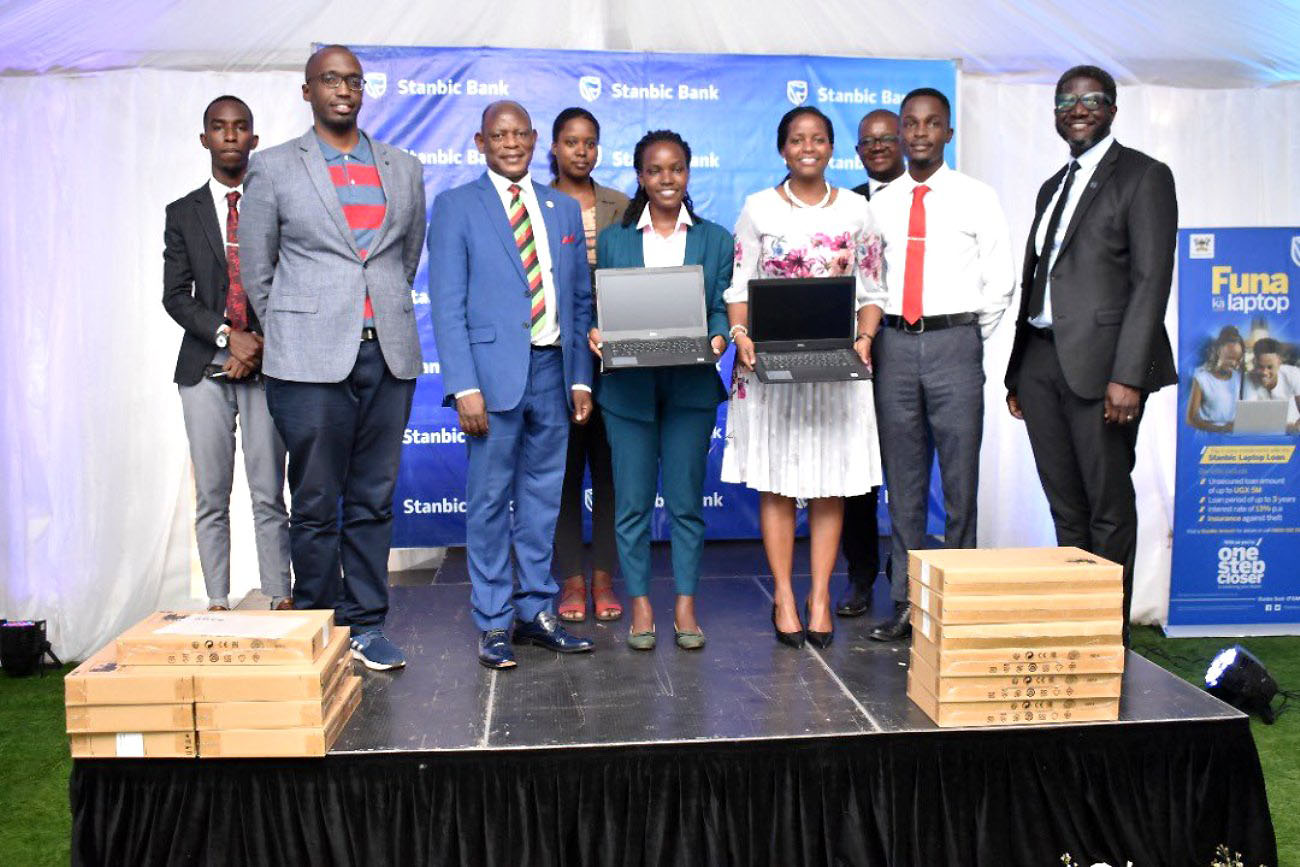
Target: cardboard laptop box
[1011, 713]
[983, 636]
[1036, 656]
[101, 680]
[275, 682]
[1014, 571]
[135, 745]
[289, 742]
[293, 713]
[1010, 687]
[130, 717]
[242, 638]
[1017, 608]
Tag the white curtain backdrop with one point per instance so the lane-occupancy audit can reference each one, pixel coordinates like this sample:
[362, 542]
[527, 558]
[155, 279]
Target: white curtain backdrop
[96, 505]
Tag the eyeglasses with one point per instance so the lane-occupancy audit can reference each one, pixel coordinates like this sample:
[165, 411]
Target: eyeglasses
[332, 80]
[872, 141]
[1091, 101]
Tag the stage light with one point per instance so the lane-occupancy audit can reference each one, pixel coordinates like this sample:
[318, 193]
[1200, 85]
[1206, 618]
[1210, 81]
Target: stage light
[23, 647]
[1237, 677]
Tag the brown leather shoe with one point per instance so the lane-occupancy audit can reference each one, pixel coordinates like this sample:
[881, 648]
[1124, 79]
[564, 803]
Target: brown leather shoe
[286, 604]
[218, 608]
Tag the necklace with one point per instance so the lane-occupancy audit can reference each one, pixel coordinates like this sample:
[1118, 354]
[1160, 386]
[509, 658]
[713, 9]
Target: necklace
[798, 203]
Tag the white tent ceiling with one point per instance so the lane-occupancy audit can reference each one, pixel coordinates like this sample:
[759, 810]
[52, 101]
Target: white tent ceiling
[1185, 43]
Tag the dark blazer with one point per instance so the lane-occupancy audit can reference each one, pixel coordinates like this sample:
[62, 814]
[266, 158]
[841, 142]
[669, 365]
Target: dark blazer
[195, 281]
[1111, 279]
[630, 393]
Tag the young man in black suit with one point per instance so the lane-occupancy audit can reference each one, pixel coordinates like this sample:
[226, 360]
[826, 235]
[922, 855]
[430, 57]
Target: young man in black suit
[1090, 341]
[218, 369]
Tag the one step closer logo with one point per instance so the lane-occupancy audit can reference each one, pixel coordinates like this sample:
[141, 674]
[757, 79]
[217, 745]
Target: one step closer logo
[1240, 564]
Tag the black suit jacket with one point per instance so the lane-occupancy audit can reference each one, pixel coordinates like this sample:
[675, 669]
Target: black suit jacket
[195, 281]
[1111, 278]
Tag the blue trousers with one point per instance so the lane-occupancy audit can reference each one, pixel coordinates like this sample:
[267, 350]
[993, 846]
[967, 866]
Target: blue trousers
[516, 474]
[345, 442]
[676, 444]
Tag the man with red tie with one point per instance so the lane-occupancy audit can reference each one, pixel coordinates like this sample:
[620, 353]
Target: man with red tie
[218, 369]
[949, 273]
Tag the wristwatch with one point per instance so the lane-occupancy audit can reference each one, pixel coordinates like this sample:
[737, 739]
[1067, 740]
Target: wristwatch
[223, 336]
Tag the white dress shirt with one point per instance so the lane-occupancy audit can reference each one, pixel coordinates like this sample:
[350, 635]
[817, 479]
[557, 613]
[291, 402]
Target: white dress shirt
[219, 192]
[661, 252]
[968, 265]
[1088, 161]
[550, 335]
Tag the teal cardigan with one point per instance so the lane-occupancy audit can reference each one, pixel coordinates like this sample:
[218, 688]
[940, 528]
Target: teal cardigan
[631, 393]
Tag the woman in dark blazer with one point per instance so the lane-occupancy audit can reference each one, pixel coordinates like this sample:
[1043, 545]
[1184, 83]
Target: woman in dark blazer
[575, 140]
[660, 420]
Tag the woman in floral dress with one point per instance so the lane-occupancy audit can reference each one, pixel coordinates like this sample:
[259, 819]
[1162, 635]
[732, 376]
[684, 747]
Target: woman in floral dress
[803, 441]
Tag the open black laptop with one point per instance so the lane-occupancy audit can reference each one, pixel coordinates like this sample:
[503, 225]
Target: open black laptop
[652, 317]
[803, 329]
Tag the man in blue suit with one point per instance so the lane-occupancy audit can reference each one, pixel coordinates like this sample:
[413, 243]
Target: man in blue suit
[511, 295]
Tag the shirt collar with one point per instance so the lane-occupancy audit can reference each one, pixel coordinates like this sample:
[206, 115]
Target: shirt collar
[361, 153]
[936, 179]
[502, 183]
[219, 190]
[683, 219]
[1092, 156]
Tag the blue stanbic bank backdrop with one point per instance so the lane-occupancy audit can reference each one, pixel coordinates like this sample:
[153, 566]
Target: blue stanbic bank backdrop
[1237, 501]
[428, 101]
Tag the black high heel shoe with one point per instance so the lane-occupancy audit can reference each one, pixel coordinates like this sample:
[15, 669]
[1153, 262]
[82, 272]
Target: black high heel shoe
[819, 640]
[791, 639]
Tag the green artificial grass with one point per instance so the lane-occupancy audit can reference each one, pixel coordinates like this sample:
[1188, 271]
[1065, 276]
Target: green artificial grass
[36, 827]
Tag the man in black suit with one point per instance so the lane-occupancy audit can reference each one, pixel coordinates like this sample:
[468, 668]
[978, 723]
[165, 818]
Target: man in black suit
[218, 369]
[1090, 342]
[881, 153]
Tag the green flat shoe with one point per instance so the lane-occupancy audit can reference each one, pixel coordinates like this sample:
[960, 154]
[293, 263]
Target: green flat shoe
[688, 640]
[641, 640]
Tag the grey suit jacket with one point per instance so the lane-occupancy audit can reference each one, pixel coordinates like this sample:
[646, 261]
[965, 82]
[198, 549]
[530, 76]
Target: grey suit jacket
[304, 275]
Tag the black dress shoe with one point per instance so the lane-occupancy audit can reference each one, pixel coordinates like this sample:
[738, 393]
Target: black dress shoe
[494, 649]
[856, 599]
[819, 640]
[791, 639]
[897, 627]
[545, 630]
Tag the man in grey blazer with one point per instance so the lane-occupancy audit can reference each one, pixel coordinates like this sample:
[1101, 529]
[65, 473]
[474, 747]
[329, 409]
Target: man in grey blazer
[1090, 340]
[332, 229]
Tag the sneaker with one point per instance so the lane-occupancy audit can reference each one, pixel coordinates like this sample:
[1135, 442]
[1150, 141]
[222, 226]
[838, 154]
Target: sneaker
[376, 652]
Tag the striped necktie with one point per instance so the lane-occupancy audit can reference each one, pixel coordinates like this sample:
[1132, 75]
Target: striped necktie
[522, 226]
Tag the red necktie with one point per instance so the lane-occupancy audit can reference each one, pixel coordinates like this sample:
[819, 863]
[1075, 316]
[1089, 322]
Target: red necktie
[914, 270]
[236, 300]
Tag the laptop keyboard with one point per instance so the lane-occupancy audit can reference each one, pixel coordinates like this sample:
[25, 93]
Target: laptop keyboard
[663, 346]
[791, 360]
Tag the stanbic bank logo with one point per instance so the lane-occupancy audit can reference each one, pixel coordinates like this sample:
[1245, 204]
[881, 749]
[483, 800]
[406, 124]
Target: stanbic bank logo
[589, 87]
[796, 91]
[1295, 250]
[376, 84]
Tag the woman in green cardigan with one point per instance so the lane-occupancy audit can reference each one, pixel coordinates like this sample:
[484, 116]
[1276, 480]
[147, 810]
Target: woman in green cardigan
[660, 420]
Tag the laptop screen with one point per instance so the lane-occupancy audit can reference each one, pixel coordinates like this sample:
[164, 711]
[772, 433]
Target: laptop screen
[650, 302]
[817, 308]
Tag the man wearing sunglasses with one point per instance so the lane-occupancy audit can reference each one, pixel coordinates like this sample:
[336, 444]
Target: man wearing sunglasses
[1090, 342]
[332, 229]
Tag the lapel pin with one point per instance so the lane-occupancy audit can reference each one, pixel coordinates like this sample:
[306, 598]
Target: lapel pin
[550, 204]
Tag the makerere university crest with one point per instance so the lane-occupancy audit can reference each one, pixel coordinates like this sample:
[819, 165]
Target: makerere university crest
[376, 84]
[589, 87]
[796, 91]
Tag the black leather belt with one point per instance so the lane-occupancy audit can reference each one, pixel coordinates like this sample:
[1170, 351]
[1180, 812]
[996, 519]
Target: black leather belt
[554, 347]
[931, 323]
[1044, 333]
[369, 334]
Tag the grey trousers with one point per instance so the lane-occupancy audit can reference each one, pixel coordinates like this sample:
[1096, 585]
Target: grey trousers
[929, 398]
[211, 409]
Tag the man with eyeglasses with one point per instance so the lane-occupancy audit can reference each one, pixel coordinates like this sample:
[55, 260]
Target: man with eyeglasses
[332, 229]
[881, 153]
[1090, 342]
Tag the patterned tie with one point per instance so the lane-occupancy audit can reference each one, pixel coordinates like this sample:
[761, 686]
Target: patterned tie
[914, 270]
[236, 300]
[522, 226]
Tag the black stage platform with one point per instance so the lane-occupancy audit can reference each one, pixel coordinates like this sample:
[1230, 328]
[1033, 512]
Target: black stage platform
[747, 752]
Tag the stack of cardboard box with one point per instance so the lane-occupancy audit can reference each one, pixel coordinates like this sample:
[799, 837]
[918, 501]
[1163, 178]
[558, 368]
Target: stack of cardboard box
[1015, 635]
[215, 684]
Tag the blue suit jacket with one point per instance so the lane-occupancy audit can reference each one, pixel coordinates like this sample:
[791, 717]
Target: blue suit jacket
[479, 295]
[631, 393]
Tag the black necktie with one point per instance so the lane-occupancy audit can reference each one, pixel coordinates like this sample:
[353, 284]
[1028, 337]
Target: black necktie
[1044, 264]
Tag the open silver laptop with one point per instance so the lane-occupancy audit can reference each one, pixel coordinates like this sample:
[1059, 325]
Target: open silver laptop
[803, 329]
[652, 317]
[1261, 416]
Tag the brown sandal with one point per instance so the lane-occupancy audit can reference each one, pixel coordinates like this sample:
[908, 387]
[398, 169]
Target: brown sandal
[573, 600]
[605, 603]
